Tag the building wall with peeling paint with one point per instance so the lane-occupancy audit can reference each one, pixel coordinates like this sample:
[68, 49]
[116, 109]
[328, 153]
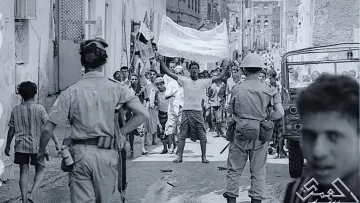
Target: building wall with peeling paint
[335, 21]
[35, 69]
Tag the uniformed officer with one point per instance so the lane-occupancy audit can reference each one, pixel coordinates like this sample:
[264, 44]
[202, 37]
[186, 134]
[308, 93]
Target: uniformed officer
[248, 105]
[89, 105]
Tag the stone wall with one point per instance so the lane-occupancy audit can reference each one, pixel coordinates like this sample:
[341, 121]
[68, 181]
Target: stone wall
[35, 68]
[335, 21]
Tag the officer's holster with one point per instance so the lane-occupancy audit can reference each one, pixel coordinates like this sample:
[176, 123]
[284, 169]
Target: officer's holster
[266, 130]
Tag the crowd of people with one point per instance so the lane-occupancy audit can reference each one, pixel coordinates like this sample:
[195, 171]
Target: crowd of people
[163, 97]
[176, 105]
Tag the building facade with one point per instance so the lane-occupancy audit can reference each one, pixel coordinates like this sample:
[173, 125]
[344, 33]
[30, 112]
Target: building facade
[184, 12]
[41, 44]
[267, 23]
[322, 22]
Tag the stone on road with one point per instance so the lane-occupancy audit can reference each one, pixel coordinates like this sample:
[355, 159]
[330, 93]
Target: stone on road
[189, 182]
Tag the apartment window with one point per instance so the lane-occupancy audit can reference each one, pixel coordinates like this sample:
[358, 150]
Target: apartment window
[21, 41]
[258, 23]
[189, 4]
[266, 23]
[256, 6]
[192, 4]
[266, 6]
[196, 8]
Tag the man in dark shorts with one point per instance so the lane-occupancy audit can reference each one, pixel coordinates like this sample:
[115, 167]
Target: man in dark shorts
[192, 121]
[329, 115]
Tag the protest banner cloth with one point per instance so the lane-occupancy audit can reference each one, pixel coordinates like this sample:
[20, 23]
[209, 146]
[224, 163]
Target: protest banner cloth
[207, 46]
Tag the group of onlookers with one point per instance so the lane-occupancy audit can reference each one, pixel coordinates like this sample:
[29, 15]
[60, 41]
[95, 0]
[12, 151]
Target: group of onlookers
[163, 97]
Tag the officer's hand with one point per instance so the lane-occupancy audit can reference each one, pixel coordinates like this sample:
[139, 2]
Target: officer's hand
[7, 151]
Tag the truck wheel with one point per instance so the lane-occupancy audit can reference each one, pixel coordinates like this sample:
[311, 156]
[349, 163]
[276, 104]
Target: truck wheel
[296, 159]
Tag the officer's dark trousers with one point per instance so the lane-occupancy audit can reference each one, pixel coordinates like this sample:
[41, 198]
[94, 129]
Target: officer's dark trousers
[239, 152]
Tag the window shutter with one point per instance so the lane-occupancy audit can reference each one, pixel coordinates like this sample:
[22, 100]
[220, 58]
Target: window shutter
[25, 9]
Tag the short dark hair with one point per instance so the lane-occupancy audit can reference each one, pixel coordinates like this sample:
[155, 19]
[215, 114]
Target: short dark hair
[134, 74]
[124, 68]
[27, 90]
[152, 70]
[329, 93]
[114, 75]
[194, 64]
[272, 73]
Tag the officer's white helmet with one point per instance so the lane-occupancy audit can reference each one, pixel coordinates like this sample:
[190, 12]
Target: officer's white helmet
[252, 61]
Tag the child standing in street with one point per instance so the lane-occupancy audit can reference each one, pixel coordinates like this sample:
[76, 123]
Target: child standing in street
[163, 106]
[25, 124]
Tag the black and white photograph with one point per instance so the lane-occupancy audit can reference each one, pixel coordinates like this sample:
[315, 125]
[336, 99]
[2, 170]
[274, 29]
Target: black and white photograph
[179, 101]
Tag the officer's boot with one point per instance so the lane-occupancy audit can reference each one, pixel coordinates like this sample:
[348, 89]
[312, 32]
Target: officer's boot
[255, 201]
[231, 200]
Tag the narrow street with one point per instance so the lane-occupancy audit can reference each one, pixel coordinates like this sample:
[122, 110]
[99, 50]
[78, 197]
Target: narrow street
[194, 181]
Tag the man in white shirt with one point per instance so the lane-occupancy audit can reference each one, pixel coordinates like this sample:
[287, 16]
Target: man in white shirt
[175, 93]
[124, 71]
[167, 78]
[192, 120]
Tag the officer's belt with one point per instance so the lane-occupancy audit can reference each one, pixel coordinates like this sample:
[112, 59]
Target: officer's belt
[90, 141]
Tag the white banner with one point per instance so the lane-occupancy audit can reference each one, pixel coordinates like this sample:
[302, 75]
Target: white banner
[192, 44]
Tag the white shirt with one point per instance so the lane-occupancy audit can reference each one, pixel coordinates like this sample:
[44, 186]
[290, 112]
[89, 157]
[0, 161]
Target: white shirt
[194, 92]
[175, 91]
[167, 79]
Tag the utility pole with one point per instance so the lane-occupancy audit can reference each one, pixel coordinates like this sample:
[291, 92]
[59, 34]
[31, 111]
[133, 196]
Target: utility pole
[241, 33]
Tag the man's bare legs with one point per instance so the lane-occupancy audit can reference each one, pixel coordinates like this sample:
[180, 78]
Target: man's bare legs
[203, 152]
[39, 177]
[180, 151]
[23, 181]
[172, 137]
[154, 136]
[142, 138]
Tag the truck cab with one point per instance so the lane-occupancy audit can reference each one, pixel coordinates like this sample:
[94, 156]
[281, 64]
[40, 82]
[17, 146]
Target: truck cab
[299, 68]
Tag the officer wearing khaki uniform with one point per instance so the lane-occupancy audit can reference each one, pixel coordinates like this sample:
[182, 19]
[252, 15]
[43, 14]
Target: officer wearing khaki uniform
[248, 108]
[89, 105]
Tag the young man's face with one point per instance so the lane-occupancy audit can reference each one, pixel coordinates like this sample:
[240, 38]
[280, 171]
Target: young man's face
[118, 76]
[330, 145]
[242, 78]
[215, 74]
[235, 73]
[124, 74]
[178, 72]
[152, 76]
[147, 75]
[161, 86]
[172, 66]
[262, 76]
[194, 70]
[134, 80]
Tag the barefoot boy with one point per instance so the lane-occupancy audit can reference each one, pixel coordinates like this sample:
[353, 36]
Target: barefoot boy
[25, 124]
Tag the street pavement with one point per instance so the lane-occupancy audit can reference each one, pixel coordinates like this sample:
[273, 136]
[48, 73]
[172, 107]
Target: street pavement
[189, 182]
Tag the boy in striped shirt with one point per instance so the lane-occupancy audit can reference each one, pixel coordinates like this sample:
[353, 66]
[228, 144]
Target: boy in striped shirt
[25, 124]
